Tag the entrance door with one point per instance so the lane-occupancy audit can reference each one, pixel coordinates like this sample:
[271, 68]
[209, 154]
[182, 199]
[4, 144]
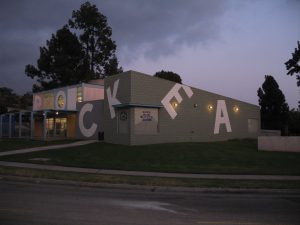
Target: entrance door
[61, 127]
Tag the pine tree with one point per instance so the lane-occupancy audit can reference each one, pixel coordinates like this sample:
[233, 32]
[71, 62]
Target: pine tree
[60, 62]
[274, 110]
[95, 36]
[70, 59]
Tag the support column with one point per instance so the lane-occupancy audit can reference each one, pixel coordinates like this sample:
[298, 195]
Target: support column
[20, 124]
[31, 124]
[1, 116]
[54, 131]
[45, 125]
[9, 124]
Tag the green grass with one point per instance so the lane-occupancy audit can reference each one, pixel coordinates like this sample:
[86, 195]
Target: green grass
[8, 144]
[150, 181]
[228, 157]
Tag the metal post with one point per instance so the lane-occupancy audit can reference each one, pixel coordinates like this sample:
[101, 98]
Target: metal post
[31, 124]
[1, 116]
[20, 124]
[45, 125]
[9, 124]
[54, 130]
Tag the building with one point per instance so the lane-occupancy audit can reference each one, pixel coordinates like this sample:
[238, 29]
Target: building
[133, 108]
[59, 113]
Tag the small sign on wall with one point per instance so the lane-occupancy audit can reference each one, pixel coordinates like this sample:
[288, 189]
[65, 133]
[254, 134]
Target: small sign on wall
[146, 116]
[145, 120]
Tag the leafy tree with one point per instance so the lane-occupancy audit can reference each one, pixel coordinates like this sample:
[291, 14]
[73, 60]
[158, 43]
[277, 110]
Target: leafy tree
[95, 36]
[292, 65]
[8, 99]
[60, 62]
[273, 108]
[168, 75]
[294, 122]
[26, 100]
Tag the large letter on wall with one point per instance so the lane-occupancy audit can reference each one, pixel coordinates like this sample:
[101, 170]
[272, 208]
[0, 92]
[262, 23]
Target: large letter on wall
[112, 99]
[37, 102]
[174, 93]
[87, 132]
[222, 117]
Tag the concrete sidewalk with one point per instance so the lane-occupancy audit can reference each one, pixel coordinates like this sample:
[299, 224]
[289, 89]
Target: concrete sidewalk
[48, 147]
[149, 174]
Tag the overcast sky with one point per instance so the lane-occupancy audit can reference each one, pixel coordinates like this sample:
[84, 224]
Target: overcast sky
[222, 46]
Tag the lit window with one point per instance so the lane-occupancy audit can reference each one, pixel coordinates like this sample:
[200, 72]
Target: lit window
[49, 123]
[61, 101]
[79, 94]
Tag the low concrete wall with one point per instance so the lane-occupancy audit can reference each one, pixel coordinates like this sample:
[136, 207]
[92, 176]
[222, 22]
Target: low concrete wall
[270, 132]
[279, 143]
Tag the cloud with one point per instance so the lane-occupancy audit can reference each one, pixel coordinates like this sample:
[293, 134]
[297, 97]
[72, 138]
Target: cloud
[161, 28]
[141, 28]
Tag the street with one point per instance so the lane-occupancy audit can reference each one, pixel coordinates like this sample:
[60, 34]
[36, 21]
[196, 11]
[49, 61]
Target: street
[45, 204]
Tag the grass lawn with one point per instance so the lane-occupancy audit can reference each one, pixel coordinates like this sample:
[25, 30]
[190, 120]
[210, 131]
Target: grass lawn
[228, 157]
[7, 144]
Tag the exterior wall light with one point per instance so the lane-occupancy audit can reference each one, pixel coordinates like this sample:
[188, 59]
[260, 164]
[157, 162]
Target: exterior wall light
[195, 105]
[56, 113]
[175, 104]
[236, 109]
[210, 107]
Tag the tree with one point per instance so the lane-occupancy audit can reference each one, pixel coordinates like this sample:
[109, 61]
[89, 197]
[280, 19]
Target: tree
[78, 52]
[294, 122]
[292, 65]
[8, 99]
[26, 100]
[273, 108]
[60, 62]
[168, 75]
[95, 36]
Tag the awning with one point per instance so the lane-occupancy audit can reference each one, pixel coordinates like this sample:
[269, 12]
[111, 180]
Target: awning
[126, 105]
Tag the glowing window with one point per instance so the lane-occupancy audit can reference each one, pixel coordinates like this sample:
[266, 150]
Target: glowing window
[79, 94]
[49, 123]
[60, 101]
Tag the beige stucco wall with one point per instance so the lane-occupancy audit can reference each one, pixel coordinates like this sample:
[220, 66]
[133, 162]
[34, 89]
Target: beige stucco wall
[193, 123]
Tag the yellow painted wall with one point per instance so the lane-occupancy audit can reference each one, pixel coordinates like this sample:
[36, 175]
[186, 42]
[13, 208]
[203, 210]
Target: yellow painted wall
[71, 126]
[38, 128]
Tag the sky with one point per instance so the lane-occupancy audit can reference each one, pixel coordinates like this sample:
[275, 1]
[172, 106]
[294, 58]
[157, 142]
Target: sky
[221, 46]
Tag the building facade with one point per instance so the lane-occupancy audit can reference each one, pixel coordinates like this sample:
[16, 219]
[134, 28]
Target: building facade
[58, 114]
[133, 108]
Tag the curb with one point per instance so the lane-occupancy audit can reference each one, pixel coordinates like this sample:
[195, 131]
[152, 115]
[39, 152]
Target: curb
[148, 174]
[147, 188]
[48, 147]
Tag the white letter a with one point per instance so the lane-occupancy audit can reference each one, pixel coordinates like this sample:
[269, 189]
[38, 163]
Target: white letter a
[222, 109]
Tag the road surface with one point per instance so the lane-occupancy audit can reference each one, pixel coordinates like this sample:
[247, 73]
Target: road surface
[45, 204]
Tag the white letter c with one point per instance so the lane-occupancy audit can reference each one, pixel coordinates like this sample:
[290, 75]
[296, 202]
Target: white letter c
[87, 132]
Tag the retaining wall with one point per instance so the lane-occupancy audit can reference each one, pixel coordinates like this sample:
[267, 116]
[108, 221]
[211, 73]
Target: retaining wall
[279, 143]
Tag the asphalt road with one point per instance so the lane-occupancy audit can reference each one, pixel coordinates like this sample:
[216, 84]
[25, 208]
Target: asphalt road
[41, 204]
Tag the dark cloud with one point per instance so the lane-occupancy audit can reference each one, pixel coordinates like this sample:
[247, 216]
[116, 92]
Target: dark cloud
[149, 27]
[162, 27]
